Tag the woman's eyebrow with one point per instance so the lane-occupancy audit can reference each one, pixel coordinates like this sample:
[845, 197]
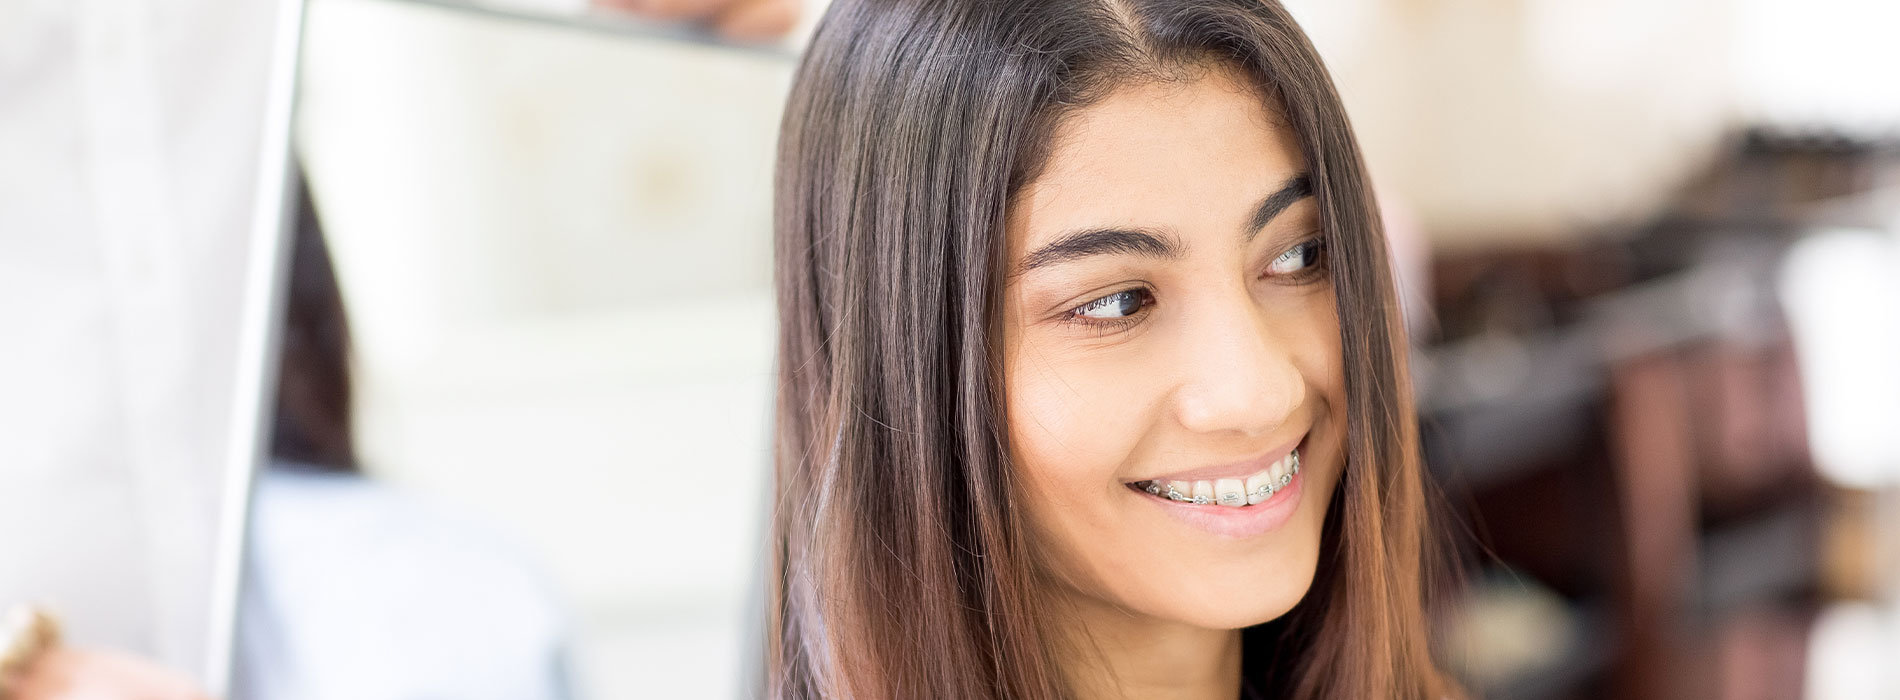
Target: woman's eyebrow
[1102, 241]
[1294, 189]
[1157, 243]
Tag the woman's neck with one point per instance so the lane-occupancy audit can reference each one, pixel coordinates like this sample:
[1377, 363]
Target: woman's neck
[1112, 654]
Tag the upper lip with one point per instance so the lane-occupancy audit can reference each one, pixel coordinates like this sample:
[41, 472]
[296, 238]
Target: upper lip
[1230, 470]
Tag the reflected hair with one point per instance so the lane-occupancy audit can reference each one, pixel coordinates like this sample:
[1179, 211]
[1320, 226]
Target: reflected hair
[311, 425]
[901, 558]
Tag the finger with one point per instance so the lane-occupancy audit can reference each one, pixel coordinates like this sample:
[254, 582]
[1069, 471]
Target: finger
[669, 10]
[70, 674]
[622, 5]
[757, 20]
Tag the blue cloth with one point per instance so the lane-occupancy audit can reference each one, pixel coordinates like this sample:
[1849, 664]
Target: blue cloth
[357, 591]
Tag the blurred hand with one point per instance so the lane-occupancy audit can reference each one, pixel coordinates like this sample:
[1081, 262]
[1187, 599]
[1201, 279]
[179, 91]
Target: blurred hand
[743, 20]
[79, 674]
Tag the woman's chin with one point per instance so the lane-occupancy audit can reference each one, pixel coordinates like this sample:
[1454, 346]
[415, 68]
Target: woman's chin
[1242, 616]
[1240, 604]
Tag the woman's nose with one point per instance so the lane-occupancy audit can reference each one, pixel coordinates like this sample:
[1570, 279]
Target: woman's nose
[1235, 375]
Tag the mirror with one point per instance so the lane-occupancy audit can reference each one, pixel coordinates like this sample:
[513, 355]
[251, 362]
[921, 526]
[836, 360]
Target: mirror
[552, 241]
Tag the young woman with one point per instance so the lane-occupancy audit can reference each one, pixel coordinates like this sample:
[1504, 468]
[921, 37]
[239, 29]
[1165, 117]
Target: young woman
[1092, 382]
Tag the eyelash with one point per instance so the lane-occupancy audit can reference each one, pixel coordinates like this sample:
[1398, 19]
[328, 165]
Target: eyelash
[1106, 326]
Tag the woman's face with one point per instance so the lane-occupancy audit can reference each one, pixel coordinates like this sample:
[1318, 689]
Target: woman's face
[1169, 321]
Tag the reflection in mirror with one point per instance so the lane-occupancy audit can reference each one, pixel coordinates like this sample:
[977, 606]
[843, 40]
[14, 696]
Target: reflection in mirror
[522, 430]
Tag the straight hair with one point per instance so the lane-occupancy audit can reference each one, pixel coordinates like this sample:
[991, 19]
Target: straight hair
[901, 558]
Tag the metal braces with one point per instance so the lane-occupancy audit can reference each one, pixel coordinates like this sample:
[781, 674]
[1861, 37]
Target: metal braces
[1265, 490]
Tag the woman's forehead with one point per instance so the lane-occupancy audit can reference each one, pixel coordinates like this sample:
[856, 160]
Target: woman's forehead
[1193, 155]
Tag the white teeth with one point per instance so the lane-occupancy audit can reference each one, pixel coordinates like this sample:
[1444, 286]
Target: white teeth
[1233, 493]
[1258, 488]
[1230, 492]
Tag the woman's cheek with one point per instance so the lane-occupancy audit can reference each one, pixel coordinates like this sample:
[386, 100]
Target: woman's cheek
[1047, 424]
[1073, 424]
[1068, 442]
[1324, 357]
[1075, 413]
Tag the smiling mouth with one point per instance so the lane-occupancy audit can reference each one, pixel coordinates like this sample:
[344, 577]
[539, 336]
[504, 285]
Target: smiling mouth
[1228, 493]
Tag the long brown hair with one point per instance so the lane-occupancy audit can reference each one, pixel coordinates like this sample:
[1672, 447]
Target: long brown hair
[901, 565]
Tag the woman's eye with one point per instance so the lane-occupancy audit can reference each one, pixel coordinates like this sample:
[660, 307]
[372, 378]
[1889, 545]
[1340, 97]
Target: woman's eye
[1118, 305]
[1296, 259]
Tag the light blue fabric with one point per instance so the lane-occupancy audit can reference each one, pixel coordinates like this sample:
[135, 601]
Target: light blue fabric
[357, 591]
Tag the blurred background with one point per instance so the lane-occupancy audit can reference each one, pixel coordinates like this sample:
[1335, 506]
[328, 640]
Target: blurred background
[1650, 252]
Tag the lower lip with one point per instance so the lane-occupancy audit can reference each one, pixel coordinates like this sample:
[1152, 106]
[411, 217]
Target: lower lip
[1236, 523]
